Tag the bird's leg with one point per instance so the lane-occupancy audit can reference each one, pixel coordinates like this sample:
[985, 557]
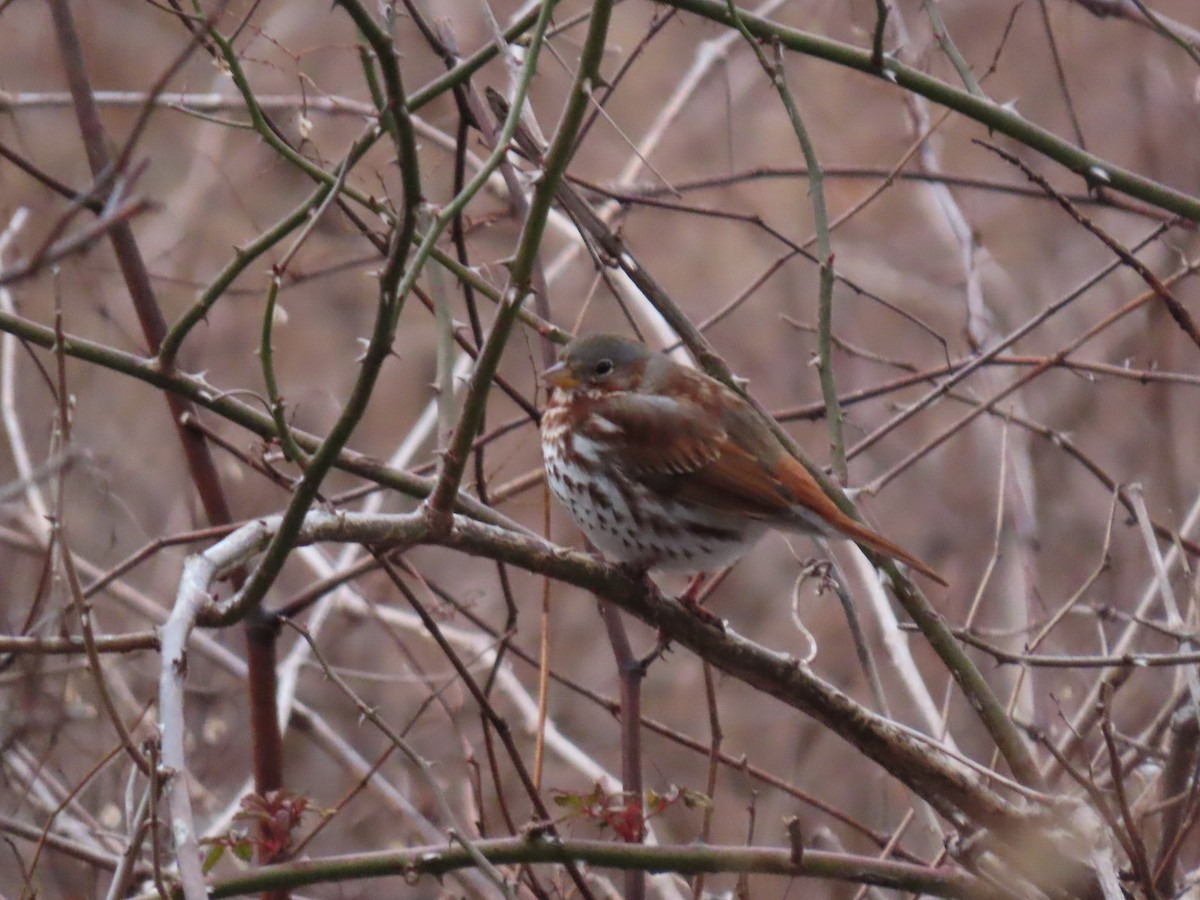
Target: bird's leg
[692, 592]
[689, 601]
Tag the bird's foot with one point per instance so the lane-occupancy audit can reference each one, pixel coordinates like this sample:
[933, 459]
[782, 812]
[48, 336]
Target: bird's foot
[688, 600]
[635, 571]
[704, 615]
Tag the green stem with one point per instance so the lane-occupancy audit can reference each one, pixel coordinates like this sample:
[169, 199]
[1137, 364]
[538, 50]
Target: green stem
[227, 406]
[169, 349]
[469, 276]
[392, 291]
[524, 259]
[326, 180]
[291, 450]
[816, 190]
[993, 116]
[414, 862]
[942, 33]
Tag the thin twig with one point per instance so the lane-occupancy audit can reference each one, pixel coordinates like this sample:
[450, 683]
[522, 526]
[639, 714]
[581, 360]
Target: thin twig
[630, 674]
[881, 481]
[60, 541]
[1178, 312]
[1060, 72]
[420, 763]
[942, 34]
[992, 115]
[1133, 835]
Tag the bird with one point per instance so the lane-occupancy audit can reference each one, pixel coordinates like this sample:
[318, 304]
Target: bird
[666, 469]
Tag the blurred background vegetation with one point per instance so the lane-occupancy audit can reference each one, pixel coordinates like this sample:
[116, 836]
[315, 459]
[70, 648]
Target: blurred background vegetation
[949, 250]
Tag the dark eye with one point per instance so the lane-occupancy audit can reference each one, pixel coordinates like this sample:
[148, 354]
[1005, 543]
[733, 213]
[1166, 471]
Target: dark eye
[604, 367]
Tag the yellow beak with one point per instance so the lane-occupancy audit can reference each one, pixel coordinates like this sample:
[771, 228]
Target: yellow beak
[559, 376]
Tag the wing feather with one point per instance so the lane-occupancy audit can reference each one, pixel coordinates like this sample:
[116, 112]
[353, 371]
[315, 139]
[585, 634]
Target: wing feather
[659, 440]
[728, 464]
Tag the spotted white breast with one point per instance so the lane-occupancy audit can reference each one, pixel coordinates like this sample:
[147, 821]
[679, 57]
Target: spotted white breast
[625, 519]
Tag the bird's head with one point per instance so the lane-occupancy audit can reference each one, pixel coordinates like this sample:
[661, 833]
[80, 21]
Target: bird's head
[600, 362]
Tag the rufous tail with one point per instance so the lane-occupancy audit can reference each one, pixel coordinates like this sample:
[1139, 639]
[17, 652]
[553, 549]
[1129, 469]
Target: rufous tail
[808, 495]
[864, 535]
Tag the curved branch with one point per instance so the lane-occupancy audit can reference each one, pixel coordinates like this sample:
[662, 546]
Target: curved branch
[226, 405]
[413, 862]
[951, 787]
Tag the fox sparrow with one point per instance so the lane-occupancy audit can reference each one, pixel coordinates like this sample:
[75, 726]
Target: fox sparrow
[665, 468]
